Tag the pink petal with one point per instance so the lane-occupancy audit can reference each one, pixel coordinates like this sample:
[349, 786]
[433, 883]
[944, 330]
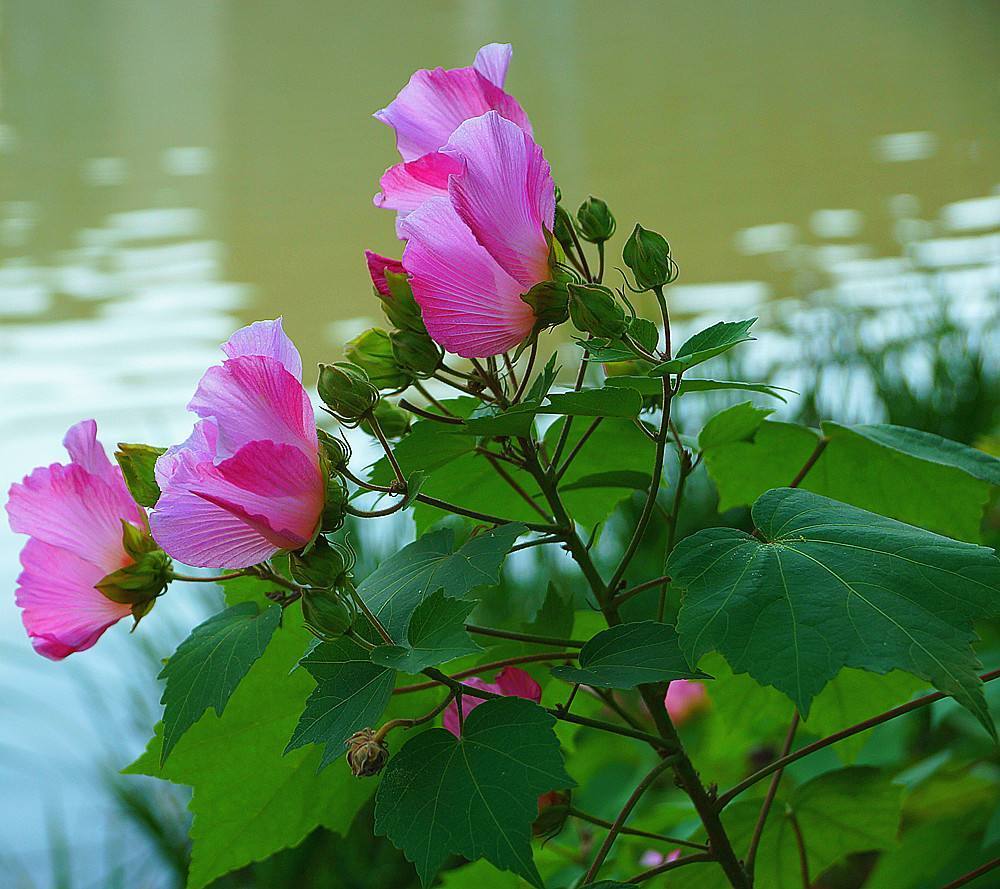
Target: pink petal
[406, 186]
[255, 397]
[517, 683]
[199, 447]
[267, 497]
[61, 609]
[432, 105]
[377, 267]
[469, 703]
[470, 305]
[266, 338]
[67, 507]
[492, 62]
[505, 194]
[684, 699]
[86, 451]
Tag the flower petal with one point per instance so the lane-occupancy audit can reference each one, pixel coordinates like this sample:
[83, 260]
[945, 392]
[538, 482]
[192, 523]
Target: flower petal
[267, 497]
[470, 305]
[61, 609]
[406, 186]
[432, 105]
[86, 451]
[266, 338]
[492, 62]
[68, 507]
[377, 267]
[254, 397]
[505, 194]
[516, 683]
[469, 703]
[509, 682]
[199, 447]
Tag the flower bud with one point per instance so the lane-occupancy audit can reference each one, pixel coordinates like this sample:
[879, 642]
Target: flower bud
[345, 389]
[336, 452]
[416, 352]
[399, 305]
[372, 352]
[563, 228]
[334, 504]
[548, 300]
[553, 810]
[326, 565]
[648, 255]
[392, 420]
[595, 221]
[327, 614]
[595, 310]
[366, 754]
[139, 583]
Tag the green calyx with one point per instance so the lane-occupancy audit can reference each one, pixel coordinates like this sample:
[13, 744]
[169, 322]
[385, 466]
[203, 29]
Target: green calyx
[595, 222]
[400, 307]
[647, 254]
[549, 302]
[372, 352]
[327, 614]
[334, 504]
[346, 390]
[594, 309]
[415, 352]
[141, 582]
[393, 420]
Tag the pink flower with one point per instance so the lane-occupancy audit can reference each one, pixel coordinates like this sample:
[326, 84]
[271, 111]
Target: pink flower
[684, 699]
[73, 514]
[377, 267]
[426, 113]
[509, 682]
[652, 858]
[247, 482]
[472, 255]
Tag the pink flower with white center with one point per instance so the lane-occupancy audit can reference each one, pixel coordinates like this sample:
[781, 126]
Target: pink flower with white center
[73, 514]
[426, 113]
[509, 682]
[684, 699]
[471, 256]
[247, 482]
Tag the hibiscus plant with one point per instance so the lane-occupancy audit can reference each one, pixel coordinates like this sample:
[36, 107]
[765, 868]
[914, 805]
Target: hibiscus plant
[847, 597]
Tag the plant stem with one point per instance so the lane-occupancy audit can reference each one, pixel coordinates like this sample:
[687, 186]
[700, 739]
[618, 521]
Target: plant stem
[671, 865]
[577, 447]
[485, 668]
[800, 842]
[567, 425]
[417, 720]
[539, 541]
[579, 250]
[600, 261]
[511, 371]
[429, 415]
[783, 761]
[525, 637]
[516, 487]
[219, 578]
[380, 435]
[532, 354]
[375, 622]
[422, 389]
[965, 879]
[625, 595]
[483, 516]
[811, 462]
[772, 790]
[619, 822]
[633, 832]
[374, 513]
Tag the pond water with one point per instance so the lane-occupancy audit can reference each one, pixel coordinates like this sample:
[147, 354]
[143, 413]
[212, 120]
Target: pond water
[173, 170]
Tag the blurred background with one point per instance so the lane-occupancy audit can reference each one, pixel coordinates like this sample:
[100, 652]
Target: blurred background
[172, 170]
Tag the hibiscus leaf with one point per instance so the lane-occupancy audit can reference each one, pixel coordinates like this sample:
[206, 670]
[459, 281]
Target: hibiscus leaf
[207, 667]
[652, 386]
[137, 462]
[351, 693]
[436, 635]
[475, 796]
[628, 655]
[737, 423]
[827, 586]
[604, 402]
[706, 344]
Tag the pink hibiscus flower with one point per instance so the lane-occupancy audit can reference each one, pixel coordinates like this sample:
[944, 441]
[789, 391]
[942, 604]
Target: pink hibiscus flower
[73, 515]
[247, 482]
[473, 254]
[426, 113]
[509, 682]
[684, 699]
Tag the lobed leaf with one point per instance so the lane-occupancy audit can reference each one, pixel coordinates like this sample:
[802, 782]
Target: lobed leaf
[706, 344]
[435, 636]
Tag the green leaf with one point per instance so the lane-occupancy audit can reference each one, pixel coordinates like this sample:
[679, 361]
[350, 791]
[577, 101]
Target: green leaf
[351, 694]
[608, 351]
[652, 386]
[543, 382]
[404, 580]
[838, 813]
[628, 655]
[859, 468]
[207, 666]
[249, 800]
[830, 586]
[624, 403]
[737, 423]
[516, 421]
[706, 344]
[475, 796]
[436, 635]
[614, 478]
[138, 462]
[645, 333]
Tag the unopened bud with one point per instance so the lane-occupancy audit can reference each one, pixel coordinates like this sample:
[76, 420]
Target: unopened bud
[416, 352]
[595, 310]
[366, 753]
[595, 221]
[553, 810]
[346, 390]
[327, 614]
[145, 578]
[372, 352]
[648, 255]
[549, 302]
[392, 420]
[335, 500]
[326, 565]
[336, 451]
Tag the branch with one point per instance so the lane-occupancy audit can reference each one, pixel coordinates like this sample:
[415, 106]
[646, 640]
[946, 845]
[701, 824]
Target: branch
[772, 790]
[633, 832]
[810, 463]
[670, 865]
[972, 874]
[485, 668]
[800, 842]
[571, 456]
[526, 637]
[625, 595]
[759, 775]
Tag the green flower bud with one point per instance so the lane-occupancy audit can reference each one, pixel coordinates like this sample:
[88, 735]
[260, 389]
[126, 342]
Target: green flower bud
[553, 810]
[563, 228]
[392, 419]
[143, 580]
[327, 614]
[345, 389]
[336, 452]
[416, 352]
[326, 565]
[595, 221]
[334, 504]
[595, 310]
[648, 255]
[549, 302]
[372, 352]
[400, 307]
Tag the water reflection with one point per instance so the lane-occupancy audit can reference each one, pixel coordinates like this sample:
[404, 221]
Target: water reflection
[171, 171]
